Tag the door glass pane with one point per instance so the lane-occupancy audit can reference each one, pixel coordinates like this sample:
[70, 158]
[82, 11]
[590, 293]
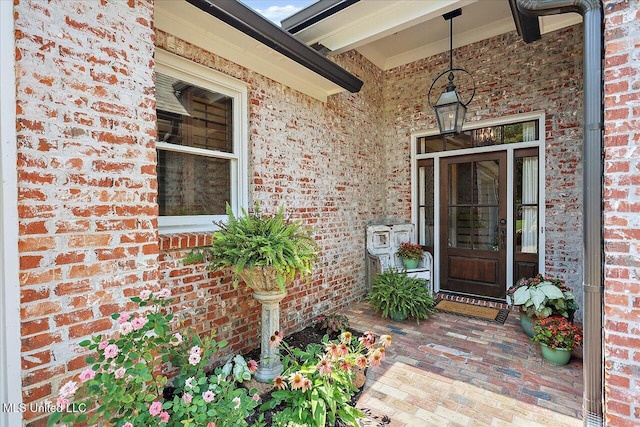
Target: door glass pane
[486, 182]
[460, 189]
[485, 228]
[460, 227]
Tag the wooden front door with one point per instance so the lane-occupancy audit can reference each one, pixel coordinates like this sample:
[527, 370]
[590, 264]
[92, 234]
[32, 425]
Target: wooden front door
[473, 232]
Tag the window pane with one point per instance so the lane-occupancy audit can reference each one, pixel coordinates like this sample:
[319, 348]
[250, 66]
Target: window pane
[526, 204]
[458, 141]
[192, 185]
[192, 116]
[460, 188]
[426, 205]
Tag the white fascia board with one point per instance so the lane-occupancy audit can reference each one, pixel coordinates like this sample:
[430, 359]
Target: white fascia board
[194, 26]
[368, 21]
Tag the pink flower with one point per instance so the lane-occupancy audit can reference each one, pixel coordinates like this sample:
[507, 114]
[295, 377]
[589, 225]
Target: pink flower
[163, 294]
[156, 408]
[306, 385]
[138, 323]
[127, 424]
[194, 359]
[187, 398]
[276, 339]
[145, 294]
[176, 340]
[208, 396]
[119, 373]
[252, 365]
[296, 379]
[111, 351]
[103, 344]
[211, 424]
[61, 402]
[123, 317]
[189, 382]
[375, 358]
[195, 350]
[256, 397]
[68, 390]
[279, 383]
[237, 401]
[345, 337]
[385, 340]
[361, 361]
[87, 374]
[324, 366]
[164, 416]
[126, 328]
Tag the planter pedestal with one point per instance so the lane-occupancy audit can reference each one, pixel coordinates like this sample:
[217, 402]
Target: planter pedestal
[270, 365]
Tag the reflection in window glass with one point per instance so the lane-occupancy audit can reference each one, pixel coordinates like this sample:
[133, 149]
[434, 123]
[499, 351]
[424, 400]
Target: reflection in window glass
[526, 204]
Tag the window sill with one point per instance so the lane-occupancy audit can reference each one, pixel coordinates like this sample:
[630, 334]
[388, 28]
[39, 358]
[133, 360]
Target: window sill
[169, 241]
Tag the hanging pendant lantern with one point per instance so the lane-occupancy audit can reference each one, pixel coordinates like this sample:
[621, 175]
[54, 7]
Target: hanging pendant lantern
[450, 109]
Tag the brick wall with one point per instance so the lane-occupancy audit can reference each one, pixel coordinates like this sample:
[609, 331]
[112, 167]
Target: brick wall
[622, 213]
[511, 77]
[86, 170]
[324, 162]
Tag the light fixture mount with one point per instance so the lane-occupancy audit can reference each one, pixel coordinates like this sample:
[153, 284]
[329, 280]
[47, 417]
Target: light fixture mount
[450, 109]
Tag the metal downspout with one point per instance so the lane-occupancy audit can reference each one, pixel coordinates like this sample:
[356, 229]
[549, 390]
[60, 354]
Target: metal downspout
[592, 14]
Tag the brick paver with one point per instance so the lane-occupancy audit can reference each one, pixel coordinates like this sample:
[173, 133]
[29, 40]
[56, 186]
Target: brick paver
[455, 371]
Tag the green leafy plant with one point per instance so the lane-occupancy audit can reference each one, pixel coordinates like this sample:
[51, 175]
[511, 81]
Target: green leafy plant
[255, 241]
[317, 384]
[394, 292]
[540, 297]
[409, 250]
[125, 381]
[557, 332]
[332, 323]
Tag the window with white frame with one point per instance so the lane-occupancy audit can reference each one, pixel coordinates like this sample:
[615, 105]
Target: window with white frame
[201, 144]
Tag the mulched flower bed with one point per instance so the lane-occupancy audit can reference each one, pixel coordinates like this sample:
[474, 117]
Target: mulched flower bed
[309, 335]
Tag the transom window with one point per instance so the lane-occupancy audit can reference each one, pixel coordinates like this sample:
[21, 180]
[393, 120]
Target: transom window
[493, 135]
[201, 140]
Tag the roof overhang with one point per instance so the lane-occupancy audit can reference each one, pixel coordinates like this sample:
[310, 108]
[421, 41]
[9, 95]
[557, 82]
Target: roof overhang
[233, 31]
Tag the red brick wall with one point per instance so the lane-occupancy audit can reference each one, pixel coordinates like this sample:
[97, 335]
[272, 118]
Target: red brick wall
[323, 161]
[622, 213]
[86, 170]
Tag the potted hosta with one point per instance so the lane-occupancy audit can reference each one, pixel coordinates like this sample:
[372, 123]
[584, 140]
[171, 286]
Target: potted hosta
[539, 297]
[557, 337]
[267, 252]
[396, 295]
[410, 254]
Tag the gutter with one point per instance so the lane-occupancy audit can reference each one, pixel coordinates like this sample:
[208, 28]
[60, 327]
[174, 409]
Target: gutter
[255, 26]
[592, 14]
[314, 13]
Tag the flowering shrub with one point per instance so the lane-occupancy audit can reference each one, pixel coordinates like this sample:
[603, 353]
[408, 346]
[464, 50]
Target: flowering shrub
[541, 297]
[409, 250]
[125, 381]
[557, 332]
[333, 323]
[317, 384]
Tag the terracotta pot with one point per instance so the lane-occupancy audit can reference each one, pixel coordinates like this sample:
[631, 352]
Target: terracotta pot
[261, 279]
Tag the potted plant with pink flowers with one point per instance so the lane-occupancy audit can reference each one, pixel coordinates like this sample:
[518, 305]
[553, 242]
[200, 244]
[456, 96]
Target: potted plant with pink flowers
[126, 379]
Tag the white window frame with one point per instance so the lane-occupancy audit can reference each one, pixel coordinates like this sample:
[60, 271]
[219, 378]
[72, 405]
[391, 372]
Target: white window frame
[206, 78]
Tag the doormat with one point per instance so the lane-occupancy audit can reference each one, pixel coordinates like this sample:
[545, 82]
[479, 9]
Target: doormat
[473, 311]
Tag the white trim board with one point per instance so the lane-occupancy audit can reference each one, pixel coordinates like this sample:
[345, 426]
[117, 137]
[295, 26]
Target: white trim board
[10, 382]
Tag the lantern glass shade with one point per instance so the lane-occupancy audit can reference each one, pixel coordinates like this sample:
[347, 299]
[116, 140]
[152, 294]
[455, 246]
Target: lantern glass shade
[450, 113]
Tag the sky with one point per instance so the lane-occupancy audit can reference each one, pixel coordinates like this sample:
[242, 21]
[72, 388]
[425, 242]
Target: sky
[277, 10]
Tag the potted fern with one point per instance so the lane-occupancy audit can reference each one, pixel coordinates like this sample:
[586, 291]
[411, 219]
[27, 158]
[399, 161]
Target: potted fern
[267, 252]
[396, 295]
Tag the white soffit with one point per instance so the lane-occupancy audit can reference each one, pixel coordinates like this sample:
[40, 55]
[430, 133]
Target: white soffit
[189, 23]
[394, 33]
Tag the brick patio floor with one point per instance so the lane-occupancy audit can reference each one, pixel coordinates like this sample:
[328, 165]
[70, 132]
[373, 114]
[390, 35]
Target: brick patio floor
[455, 371]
